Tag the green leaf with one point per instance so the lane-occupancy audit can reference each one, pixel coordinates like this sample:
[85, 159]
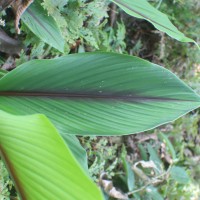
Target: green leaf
[169, 145]
[39, 161]
[143, 152]
[97, 93]
[77, 150]
[179, 174]
[154, 157]
[43, 26]
[153, 193]
[143, 10]
[2, 73]
[130, 178]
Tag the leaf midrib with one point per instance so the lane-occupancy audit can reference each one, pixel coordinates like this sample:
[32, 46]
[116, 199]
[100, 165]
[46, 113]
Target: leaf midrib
[94, 96]
[39, 22]
[142, 15]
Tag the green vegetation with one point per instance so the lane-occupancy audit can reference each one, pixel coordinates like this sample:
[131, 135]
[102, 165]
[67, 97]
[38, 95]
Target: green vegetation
[102, 97]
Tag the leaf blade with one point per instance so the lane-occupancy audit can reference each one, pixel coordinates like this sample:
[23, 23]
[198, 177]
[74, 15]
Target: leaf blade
[143, 10]
[104, 75]
[179, 174]
[37, 156]
[77, 150]
[43, 26]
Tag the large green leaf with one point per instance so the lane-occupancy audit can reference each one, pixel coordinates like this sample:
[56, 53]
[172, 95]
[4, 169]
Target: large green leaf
[97, 93]
[39, 161]
[43, 26]
[143, 10]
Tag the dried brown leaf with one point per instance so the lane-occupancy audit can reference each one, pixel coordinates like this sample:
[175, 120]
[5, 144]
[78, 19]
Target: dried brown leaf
[108, 187]
[116, 194]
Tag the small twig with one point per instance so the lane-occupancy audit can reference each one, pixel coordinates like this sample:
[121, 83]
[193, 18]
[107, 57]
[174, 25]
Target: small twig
[151, 182]
[113, 14]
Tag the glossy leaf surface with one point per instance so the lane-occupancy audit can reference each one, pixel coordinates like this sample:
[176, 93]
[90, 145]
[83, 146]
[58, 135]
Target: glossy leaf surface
[97, 93]
[39, 161]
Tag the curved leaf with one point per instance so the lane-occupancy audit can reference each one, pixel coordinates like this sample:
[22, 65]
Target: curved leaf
[97, 93]
[43, 26]
[77, 150]
[142, 9]
[39, 161]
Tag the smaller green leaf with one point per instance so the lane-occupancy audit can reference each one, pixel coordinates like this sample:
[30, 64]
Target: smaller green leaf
[179, 174]
[154, 157]
[43, 26]
[130, 178]
[153, 193]
[143, 152]
[77, 150]
[143, 10]
[170, 147]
